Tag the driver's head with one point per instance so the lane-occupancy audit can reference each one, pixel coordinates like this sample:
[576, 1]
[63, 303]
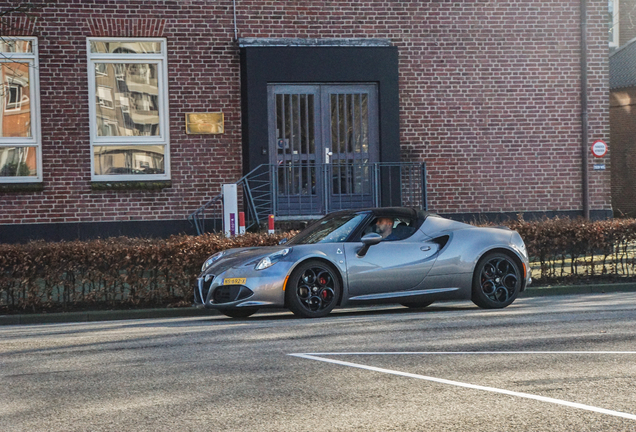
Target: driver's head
[384, 226]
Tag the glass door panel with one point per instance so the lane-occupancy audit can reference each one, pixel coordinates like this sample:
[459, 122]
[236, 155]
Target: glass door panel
[323, 140]
[294, 114]
[352, 132]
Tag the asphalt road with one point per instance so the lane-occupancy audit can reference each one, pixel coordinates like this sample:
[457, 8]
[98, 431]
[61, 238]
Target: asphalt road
[544, 364]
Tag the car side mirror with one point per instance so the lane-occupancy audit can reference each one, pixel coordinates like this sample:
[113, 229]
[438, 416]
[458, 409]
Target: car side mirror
[368, 241]
[283, 241]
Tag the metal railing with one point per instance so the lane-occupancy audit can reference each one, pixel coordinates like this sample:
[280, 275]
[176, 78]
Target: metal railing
[312, 189]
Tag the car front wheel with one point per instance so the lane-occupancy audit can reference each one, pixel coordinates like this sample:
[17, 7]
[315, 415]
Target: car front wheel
[313, 289]
[496, 281]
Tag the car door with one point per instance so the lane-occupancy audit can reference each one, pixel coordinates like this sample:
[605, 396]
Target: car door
[389, 267]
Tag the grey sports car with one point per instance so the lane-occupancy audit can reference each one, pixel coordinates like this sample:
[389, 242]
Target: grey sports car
[381, 255]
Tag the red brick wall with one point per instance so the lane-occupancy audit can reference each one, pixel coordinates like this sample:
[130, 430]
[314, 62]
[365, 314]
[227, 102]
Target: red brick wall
[489, 95]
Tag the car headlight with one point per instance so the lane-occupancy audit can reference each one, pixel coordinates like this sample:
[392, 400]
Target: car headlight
[214, 258]
[272, 259]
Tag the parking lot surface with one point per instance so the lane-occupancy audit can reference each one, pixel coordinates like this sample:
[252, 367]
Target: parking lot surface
[544, 364]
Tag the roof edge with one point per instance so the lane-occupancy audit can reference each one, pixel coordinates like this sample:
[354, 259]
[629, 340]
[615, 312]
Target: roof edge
[309, 42]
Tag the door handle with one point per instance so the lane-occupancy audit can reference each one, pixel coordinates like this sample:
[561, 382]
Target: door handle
[425, 248]
[327, 154]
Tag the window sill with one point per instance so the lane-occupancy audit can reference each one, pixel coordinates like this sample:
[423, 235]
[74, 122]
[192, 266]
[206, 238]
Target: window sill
[21, 187]
[131, 185]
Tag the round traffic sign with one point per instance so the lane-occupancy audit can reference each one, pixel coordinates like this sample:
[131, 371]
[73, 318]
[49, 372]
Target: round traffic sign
[599, 148]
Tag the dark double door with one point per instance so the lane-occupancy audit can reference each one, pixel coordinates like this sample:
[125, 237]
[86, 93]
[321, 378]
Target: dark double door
[323, 140]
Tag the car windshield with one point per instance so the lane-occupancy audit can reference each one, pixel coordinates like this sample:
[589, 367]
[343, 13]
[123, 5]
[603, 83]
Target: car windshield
[329, 230]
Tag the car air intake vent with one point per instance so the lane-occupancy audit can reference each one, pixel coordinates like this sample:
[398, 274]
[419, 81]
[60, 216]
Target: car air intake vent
[231, 293]
[205, 286]
[441, 241]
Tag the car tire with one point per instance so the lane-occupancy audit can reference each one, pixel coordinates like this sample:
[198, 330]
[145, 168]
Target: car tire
[496, 281]
[242, 312]
[417, 305]
[313, 289]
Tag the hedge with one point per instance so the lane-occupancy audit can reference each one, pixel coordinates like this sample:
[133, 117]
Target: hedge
[574, 250]
[135, 273]
[115, 272]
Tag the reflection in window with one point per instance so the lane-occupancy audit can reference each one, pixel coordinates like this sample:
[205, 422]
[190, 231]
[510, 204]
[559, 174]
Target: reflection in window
[127, 96]
[126, 47]
[18, 162]
[331, 229]
[129, 110]
[129, 160]
[20, 151]
[613, 20]
[16, 110]
[15, 45]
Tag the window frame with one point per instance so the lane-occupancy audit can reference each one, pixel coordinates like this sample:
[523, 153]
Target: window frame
[35, 140]
[615, 23]
[161, 61]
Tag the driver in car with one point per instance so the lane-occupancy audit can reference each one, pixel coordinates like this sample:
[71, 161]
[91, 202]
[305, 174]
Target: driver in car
[384, 227]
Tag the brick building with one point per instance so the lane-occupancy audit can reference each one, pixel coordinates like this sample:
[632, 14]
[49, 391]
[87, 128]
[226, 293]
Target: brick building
[487, 94]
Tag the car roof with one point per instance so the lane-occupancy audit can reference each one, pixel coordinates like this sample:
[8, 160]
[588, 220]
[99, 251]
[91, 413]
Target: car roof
[411, 212]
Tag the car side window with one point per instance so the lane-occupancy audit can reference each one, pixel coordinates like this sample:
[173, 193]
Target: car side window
[391, 228]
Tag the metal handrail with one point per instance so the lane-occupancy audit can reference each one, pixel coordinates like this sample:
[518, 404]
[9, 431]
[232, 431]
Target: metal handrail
[261, 193]
[197, 218]
[253, 206]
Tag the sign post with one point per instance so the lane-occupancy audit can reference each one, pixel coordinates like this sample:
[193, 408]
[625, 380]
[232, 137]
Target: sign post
[599, 149]
[230, 209]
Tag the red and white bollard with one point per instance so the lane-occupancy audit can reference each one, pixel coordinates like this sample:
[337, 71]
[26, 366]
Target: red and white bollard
[241, 223]
[270, 224]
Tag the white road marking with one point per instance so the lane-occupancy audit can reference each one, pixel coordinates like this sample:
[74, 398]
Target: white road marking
[464, 353]
[316, 356]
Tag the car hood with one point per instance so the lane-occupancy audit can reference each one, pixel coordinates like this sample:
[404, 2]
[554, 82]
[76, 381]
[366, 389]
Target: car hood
[240, 256]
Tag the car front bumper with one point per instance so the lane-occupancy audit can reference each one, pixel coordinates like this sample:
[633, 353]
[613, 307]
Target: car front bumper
[245, 287]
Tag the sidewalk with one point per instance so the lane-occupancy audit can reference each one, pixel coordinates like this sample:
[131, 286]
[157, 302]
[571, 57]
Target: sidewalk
[101, 315]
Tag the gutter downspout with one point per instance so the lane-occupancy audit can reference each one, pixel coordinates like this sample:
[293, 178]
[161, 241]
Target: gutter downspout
[585, 190]
[235, 25]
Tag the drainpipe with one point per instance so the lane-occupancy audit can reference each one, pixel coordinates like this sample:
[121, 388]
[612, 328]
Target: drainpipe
[585, 190]
[235, 26]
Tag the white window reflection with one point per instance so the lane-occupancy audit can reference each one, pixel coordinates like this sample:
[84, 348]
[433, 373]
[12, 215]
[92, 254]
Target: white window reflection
[20, 152]
[16, 110]
[129, 110]
[127, 96]
[18, 162]
[125, 47]
[129, 160]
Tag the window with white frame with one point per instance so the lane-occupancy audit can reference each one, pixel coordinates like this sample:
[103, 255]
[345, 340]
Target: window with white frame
[20, 143]
[128, 96]
[614, 37]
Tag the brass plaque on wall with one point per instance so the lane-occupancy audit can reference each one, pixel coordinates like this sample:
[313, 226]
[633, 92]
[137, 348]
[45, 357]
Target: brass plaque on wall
[204, 123]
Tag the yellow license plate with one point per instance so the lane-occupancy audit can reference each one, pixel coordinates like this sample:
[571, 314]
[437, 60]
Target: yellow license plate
[234, 281]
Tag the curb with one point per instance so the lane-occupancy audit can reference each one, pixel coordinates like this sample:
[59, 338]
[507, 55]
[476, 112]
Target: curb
[186, 312]
[103, 315]
[578, 289]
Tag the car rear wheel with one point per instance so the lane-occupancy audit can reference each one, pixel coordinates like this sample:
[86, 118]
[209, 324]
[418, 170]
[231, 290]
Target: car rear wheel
[243, 312]
[313, 289]
[496, 282]
[417, 305]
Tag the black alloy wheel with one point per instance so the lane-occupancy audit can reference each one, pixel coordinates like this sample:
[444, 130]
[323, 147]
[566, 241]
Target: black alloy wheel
[242, 312]
[313, 289]
[497, 281]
